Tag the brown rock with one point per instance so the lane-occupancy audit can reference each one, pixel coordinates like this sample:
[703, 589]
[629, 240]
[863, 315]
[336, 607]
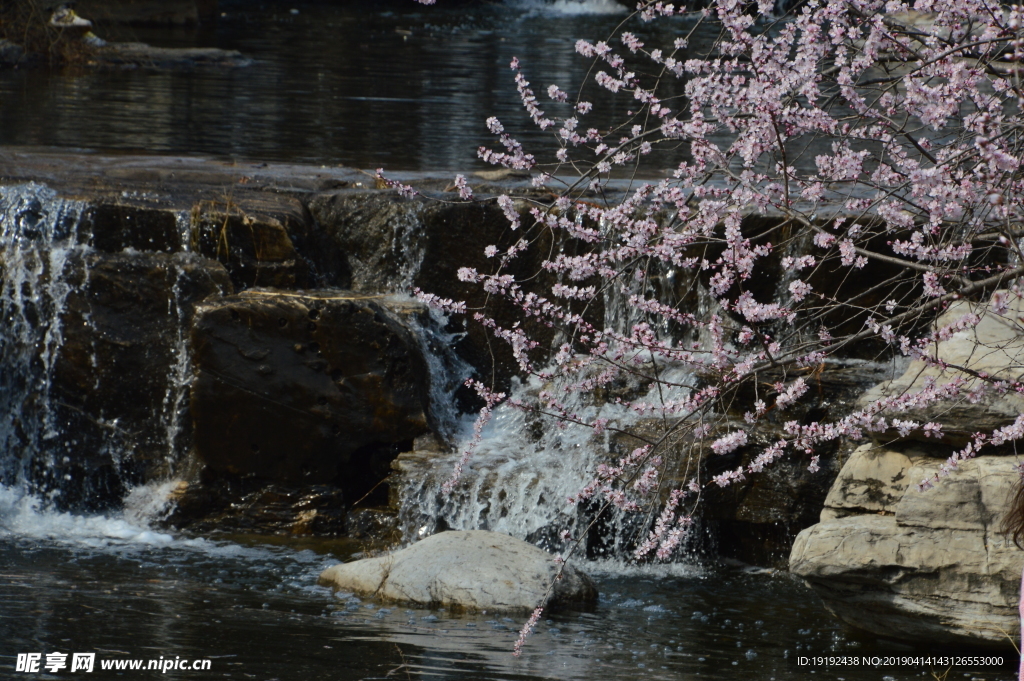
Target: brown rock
[300, 388]
[114, 387]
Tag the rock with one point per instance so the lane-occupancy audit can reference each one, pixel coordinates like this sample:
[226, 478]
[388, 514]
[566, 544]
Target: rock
[11, 54]
[994, 347]
[473, 570]
[873, 480]
[903, 563]
[143, 55]
[267, 242]
[756, 520]
[246, 505]
[396, 244]
[116, 387]
[301, 387]
[115, 226]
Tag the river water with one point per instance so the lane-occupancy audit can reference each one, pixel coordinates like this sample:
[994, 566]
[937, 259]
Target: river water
[356, 83]
[360, 84]
[110, 586]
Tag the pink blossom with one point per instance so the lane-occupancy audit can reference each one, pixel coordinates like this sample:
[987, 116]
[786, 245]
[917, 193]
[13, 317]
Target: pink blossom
[528, 627]
[730, 442]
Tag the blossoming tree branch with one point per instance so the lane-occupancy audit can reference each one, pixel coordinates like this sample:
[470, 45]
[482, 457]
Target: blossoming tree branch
[883, 140]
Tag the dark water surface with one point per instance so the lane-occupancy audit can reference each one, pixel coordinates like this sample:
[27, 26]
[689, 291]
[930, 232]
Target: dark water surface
[108, 586]
[363, 84]
[360, 84]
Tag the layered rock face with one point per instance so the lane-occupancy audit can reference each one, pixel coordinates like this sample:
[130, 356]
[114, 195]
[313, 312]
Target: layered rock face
[922, 565]
[245, 314]
[930, 564]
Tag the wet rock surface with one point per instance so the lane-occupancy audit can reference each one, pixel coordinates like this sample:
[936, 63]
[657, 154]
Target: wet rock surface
[473, 570]
[251, 506]
[136, 55]
[298, 388]
[113, 387]
[392, 245]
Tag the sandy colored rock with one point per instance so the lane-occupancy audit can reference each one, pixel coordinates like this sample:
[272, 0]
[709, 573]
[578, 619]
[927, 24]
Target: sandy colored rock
[873, 479]
[473, 570]
[931, 565]
[994, 346]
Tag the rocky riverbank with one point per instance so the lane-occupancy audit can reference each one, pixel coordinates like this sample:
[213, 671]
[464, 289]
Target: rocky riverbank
[33, 34]
[256, 316]
[247, 328]
[929, 564]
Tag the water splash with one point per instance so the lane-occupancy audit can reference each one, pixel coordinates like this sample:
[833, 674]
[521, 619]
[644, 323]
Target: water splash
[39, 243]
[522, 474]
[447, 371]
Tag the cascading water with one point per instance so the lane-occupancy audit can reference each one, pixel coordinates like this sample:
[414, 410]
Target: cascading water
[38, 242]
[571, 7]
[62, 363]
[522, 474]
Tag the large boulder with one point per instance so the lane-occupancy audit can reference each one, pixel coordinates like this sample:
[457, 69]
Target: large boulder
[298, 388]
[993, 347]
[473, 570]
[919, 565]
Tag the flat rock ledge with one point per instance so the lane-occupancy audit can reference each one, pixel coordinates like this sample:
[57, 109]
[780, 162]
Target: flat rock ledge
[916, 565]
[474, 570]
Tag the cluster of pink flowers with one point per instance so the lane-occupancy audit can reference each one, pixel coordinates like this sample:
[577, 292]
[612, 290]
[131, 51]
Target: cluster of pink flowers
[865, 241]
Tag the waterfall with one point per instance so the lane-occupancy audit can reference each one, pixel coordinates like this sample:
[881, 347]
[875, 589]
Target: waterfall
[39, 245]
[571, 7]
[88, 410]
[522, 474]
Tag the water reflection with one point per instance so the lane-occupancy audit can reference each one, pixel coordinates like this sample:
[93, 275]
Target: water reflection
[360, 84]
[253, 609]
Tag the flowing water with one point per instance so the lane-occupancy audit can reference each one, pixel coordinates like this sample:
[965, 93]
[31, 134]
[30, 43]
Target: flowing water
[110, 586]
[117, 586]
[367, 85]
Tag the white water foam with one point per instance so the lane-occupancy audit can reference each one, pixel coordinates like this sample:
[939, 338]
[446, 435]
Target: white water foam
[522, 474]
[570, 7]
[23, 515]
[129, 534]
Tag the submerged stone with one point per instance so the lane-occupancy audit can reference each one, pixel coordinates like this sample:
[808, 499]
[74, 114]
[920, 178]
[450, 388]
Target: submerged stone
[473, 570]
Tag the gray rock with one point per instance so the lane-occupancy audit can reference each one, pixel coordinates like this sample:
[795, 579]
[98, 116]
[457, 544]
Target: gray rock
[473, 570]
[11, 54]
[995, 346]
[918, 565]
